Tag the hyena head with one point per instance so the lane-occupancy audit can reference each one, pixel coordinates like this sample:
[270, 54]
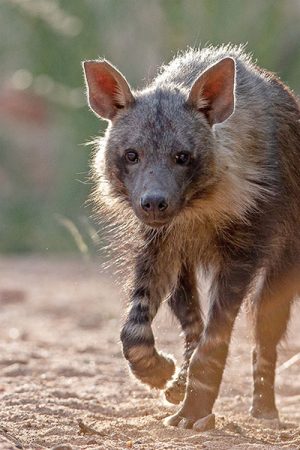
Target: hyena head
[158, 152]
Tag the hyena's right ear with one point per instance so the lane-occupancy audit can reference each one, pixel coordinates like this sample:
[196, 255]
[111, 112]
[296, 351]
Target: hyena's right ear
[107, 90]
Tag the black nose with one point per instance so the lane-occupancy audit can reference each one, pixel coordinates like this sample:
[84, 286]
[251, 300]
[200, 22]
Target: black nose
[153, 203]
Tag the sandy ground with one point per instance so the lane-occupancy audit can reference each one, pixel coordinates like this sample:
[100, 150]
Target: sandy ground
[61, 366]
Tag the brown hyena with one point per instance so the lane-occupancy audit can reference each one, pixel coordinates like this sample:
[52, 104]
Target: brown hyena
[201, 168]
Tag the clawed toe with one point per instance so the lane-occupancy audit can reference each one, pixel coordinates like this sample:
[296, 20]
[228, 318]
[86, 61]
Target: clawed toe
[172, 421]
[186, 424]
[203, 424]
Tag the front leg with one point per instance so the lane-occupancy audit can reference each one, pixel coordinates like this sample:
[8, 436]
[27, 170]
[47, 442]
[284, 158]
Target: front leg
[208, 361]
[185, 304]
[153, 280]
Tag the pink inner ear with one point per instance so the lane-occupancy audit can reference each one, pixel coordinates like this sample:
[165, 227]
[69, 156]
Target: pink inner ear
[106, 83]
[213, 89]
[108, 91]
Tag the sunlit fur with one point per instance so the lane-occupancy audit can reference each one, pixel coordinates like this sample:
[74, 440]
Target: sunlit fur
[238, 219]
[241, 177]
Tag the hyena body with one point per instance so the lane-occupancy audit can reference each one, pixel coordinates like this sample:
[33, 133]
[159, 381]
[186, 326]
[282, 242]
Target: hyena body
[202, 168]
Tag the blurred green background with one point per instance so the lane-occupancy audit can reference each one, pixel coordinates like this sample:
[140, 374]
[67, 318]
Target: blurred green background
[44, 121]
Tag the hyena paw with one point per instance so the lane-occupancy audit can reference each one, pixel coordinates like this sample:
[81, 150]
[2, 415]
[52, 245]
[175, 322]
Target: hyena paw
[264, 412]
[157, 371]
[181, 420]
[193, 414]
[175, 390]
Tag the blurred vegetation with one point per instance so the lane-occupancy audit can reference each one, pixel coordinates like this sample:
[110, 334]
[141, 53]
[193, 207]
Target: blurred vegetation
[44, 121]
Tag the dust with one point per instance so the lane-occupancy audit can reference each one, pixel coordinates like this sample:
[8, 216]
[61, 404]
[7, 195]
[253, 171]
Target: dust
[65, 385]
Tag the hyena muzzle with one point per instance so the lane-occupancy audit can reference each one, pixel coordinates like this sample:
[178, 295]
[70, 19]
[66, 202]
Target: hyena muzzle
[201, 168]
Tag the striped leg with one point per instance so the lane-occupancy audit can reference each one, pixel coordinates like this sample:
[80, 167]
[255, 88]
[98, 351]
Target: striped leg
[149, 366]
[208, 361]
[271, 315]
[186, 306]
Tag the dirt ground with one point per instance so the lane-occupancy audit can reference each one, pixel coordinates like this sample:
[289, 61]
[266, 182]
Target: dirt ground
[64, 383]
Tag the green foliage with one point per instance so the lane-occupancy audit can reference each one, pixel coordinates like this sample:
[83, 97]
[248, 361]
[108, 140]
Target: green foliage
[43, 117]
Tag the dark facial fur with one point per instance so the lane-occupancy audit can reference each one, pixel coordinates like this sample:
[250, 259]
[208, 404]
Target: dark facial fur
[174, 151]
[231, 208]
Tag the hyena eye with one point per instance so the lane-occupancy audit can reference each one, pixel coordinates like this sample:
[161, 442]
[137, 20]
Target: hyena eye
[182, 158]
[131, 156]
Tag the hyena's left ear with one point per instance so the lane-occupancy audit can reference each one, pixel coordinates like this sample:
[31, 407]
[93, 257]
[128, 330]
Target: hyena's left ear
[213, 93]
[107, 89]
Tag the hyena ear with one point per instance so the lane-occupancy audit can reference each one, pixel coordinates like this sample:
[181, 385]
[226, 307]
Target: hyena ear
[107, 89]
[213, 92]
